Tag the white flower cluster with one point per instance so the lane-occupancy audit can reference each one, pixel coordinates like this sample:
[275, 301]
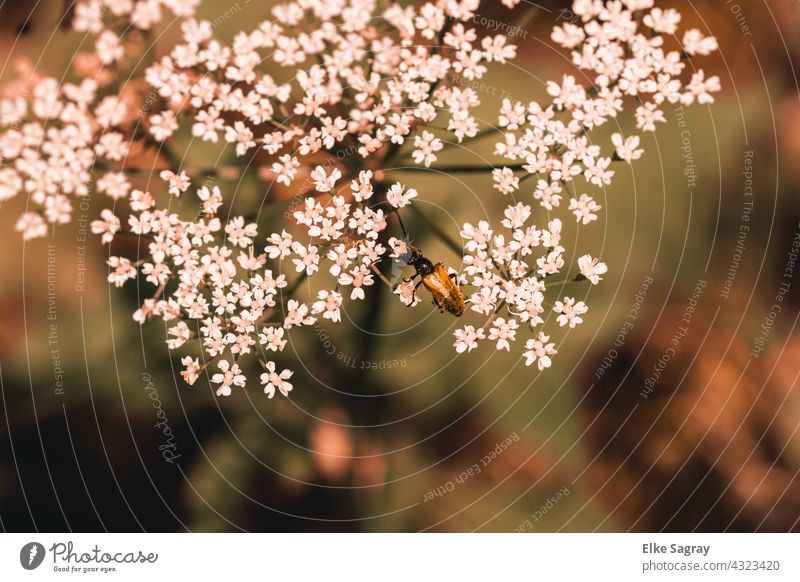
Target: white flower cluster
[620, 45]
[368, 80]
[363, 77]
[51, 138]
[214, 282]
[510, 282]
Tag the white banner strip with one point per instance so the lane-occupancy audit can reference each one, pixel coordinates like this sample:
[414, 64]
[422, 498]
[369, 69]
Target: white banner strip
[401, 557]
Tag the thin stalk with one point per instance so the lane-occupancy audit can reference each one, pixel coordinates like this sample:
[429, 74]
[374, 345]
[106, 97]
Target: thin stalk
[493, 315]
[577, 279]
[438, 231]
[381, 276]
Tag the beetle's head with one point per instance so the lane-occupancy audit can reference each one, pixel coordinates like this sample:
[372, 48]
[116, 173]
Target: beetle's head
[412, 256]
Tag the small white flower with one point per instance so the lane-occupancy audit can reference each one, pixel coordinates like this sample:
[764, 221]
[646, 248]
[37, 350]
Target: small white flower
[178, 183]
[467, 338]
[329, 305]
[399, 197]
[107, 226]
[505, 181]
[627, 149]
[272, 339]
[271, 381]
[426, 147]
[696, 43]
[504, 331]
[229, 375]
[570, 312]
[191, 369]
[281, 246]
[584, 208]
[324, 182]
[181, 334]
[591, 268]
[405, 290]
[539, 351]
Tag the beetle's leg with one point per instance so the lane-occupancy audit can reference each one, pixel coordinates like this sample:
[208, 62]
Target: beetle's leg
[417, 285]
[438, 305]
[409, 279]
[454, 276]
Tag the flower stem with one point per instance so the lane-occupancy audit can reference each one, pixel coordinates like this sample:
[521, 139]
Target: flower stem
[381, 276]
[491, 317]
[577, 279]
[439, 232]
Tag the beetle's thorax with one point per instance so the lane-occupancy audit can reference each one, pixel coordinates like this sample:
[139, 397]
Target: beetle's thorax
[423, 266]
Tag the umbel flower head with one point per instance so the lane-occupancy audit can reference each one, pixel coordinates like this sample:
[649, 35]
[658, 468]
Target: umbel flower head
[364, 82]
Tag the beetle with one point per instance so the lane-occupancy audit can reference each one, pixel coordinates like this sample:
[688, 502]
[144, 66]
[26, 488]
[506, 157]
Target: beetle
[444, 289]
[447, 296]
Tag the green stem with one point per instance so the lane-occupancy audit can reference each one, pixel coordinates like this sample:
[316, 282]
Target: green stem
[493, 315]
[296, 284]
[578, 279]
[438, 231]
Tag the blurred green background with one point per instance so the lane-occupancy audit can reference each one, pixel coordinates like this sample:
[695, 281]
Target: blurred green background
[713, 448]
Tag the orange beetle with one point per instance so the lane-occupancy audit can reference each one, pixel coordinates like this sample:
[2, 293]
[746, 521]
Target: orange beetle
[445, 291]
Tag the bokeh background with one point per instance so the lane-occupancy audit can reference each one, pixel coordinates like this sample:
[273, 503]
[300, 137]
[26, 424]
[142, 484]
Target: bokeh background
[612, 438]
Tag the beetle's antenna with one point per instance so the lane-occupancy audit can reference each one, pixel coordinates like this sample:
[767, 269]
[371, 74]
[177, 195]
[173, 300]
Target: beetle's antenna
[402, 226]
